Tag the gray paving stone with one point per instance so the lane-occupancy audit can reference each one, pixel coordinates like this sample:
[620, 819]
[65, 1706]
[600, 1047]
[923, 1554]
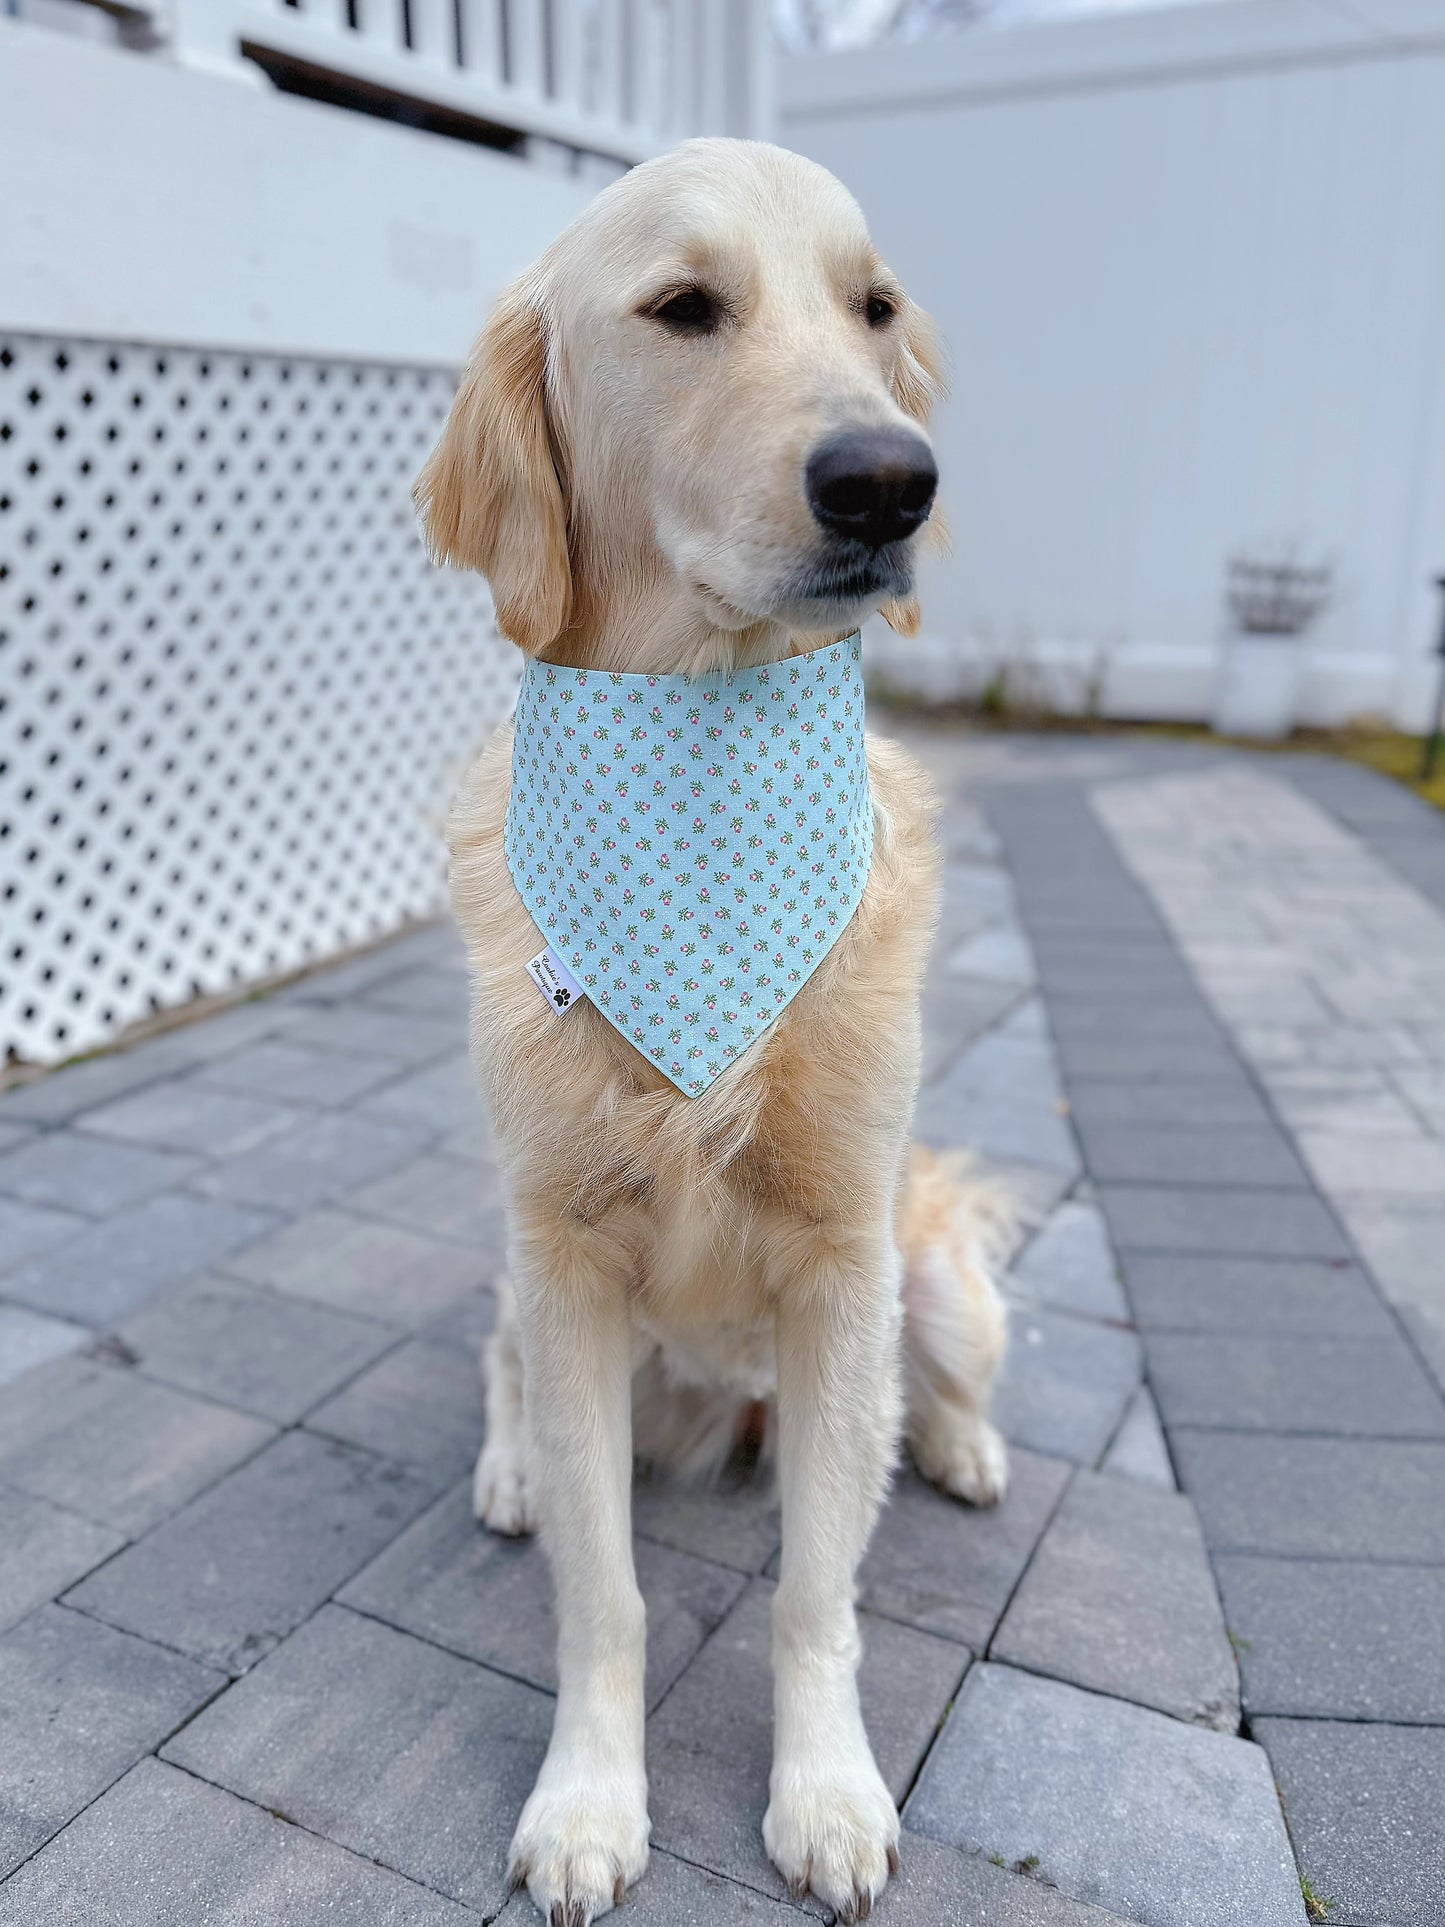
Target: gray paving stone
[709, 1745]
[295, 1074]
[1012, 1069]
[27, 1229]
[451, 1581]
[112, 1446]
[1145, 1816]
[1314, 1497]
[1424, 1090]
[1071, 972]
[465, 1326]
[1404, 1166]
[443, 1198]
[79, 1703]
[1400, 1241]
[68, 1171]
[266, 1352]
[1329, 1641]
[46, 1550]
[1181, 1018]
[425, 1769]
[1065, 1383]
[473, 1144]
[1146, 1058]
[1027, 1020]
[1036, 1136]
[1031, 1132]
[1111, 914]
[1070, 1264]
[999, 955]
[162, 1849]
[1364, 1806]
[65, 1093]
[1221, 1220]
[309, 1164]
[737, 1524]
[1033, 1191]
[956, 1010]
[1119, 1597]
[1083, 964]
[226, 1579]
[1426, 1326]
[673, 1894]
[937, 1886]
[1001, 1098]
[1287, 1296]
[949, 1568]
[334, 983]
[29, 1338]
[108, 1269]
[179, 1114]
[443, 1096]
[422, 1404]
[1356, 1102]
[985, 888]
[1366, 1387]
[422, 991]
[360, 1028]
[1138, 1450]
[1223, 1154]
[358, 1265]
[1170, 1102]
[252, 1021]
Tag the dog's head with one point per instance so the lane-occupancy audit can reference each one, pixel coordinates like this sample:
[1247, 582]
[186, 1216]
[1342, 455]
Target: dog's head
[700, 415]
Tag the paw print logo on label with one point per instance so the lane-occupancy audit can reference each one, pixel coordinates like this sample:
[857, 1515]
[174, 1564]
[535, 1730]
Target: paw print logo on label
[700, 893]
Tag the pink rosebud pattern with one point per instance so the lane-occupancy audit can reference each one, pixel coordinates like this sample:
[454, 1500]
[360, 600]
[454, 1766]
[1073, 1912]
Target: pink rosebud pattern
[692, 802]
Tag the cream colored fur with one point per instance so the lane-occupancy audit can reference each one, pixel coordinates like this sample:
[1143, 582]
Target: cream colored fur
[770, 1257]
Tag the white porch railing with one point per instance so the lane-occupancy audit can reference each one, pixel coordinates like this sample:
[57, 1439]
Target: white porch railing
[621, 78]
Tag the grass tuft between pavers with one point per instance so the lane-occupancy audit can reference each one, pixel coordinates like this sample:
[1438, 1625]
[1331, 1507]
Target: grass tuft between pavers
[1317, 1906]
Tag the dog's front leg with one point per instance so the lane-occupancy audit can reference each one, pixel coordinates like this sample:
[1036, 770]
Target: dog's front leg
[582, 1837]
[831, 1824]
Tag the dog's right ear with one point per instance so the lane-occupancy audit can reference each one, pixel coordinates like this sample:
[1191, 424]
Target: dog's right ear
[490, 497]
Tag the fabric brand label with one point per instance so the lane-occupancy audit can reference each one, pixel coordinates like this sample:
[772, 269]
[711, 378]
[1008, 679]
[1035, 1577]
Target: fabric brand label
[554, 980]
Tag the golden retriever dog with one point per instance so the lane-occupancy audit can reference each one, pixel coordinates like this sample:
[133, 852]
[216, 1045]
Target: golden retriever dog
[692, 439]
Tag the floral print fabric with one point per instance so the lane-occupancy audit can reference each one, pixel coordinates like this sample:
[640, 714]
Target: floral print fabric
[692, 849]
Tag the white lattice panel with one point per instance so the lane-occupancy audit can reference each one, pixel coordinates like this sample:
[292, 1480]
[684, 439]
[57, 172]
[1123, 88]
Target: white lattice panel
[233, 694]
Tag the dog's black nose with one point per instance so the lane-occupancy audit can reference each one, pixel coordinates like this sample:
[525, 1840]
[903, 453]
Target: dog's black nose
[875, 484]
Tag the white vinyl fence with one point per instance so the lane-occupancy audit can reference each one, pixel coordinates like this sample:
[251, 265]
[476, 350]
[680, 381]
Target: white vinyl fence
[1191, 268]
[234, 696]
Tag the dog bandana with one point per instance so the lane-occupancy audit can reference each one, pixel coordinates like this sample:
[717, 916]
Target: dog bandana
[691, 849]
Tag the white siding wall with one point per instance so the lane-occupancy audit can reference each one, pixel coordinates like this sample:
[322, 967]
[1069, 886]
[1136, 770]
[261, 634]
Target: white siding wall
[1191, 267]
[152, 202]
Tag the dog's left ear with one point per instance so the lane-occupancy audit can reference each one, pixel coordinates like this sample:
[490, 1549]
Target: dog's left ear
[918, 382]
[490, 496]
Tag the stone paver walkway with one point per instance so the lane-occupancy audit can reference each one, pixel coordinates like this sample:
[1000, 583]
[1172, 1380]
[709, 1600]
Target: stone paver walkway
[258, 1664]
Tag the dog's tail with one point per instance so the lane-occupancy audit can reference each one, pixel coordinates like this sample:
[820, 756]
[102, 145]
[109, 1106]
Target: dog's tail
[955, 1229]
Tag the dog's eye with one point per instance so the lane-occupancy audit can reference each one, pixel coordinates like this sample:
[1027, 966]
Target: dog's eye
[879, 310]
[691, 311]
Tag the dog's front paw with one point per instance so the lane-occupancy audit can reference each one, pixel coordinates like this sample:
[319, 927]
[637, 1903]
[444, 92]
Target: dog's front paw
[833, 1833]
[581, 1843]
[500, 1498]
[966, 1457]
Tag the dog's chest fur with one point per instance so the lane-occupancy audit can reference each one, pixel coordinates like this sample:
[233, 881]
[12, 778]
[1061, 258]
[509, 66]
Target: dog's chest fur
[698, 1198]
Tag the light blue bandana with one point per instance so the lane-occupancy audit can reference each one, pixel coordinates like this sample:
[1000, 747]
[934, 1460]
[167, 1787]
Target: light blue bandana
[692, 849]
